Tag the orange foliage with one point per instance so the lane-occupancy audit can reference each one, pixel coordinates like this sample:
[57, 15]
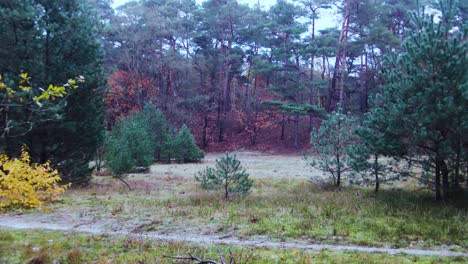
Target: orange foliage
[127, 93]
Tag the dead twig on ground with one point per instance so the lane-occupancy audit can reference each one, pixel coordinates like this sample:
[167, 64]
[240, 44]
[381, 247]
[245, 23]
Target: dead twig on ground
[194, 259]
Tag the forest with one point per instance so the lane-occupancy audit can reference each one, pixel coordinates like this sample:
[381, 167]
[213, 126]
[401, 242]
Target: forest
[351, 115]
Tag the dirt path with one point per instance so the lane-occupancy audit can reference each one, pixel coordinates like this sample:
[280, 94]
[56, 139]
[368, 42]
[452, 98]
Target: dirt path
[12, 222]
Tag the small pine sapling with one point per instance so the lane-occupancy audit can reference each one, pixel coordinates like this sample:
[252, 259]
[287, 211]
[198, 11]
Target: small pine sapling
[329, 146]
[227, 175]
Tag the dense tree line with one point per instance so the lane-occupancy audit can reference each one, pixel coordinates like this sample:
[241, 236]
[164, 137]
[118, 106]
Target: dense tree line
[223, 65]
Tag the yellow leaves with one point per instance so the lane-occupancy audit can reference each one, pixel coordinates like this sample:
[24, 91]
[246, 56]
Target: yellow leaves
[27, 185]
[52, 92]
[2, 85]
[25, 88]
[10, 92]
[24, 76]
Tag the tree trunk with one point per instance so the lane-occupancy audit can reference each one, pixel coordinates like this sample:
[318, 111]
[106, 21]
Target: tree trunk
[226, 190]
[445, 180]
[376, 173]
[221, 129]
[122, 180]
[220, 121]
[456, 179]
[226, 79]
[338, 178]
[363, 85]
[296, 131]
[205, 127]
[437, 181]
[312, 58]
[340, 63]
[337, 153]
[283, 124]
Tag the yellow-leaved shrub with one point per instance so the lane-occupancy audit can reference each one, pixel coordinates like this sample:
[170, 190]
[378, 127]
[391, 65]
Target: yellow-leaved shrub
[26, 184]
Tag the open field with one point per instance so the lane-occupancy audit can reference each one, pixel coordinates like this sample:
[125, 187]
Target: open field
[258, 165]
[282, 207]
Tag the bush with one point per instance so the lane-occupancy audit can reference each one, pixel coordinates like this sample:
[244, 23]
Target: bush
[130, 145]
[168, 148]
[228, 175]
[27, 184]
[186, 150]
[158, 128]
[144, 137]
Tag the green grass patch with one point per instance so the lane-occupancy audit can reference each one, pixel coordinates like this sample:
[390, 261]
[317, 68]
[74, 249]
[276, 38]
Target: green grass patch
[30, 246]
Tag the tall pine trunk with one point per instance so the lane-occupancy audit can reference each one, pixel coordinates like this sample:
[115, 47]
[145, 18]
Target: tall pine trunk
[337, 90]
[437, 181]
[296, 131]
[376, 173]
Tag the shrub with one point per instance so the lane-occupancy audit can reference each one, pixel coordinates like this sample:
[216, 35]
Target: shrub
[168, 148]
[129, 146]
[141, 138]
[158, 128]
[228, 175]
[186, 150]
[27, 184]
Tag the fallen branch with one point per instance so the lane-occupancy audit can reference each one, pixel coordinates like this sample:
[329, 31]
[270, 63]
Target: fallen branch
[194, 259]
[122, 180]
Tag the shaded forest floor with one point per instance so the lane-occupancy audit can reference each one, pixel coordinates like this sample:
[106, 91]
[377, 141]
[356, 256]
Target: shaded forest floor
[268, 138]
[283, 207]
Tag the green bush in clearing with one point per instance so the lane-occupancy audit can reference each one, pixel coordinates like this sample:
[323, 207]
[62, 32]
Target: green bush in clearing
[228, 175]
[186, 150]
[129, 145]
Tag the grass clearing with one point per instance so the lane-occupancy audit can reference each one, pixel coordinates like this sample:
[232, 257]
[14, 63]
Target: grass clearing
[280, 209]
[46, 246]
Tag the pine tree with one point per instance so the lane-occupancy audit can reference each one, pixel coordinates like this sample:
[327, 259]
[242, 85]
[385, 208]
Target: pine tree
[129, 146]
[186, 150]
[421, 110]
[228, 175]
[330, 144]
[158, 128]
[369, 155]
[54, 40]
[287, 50]
[168, 148]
